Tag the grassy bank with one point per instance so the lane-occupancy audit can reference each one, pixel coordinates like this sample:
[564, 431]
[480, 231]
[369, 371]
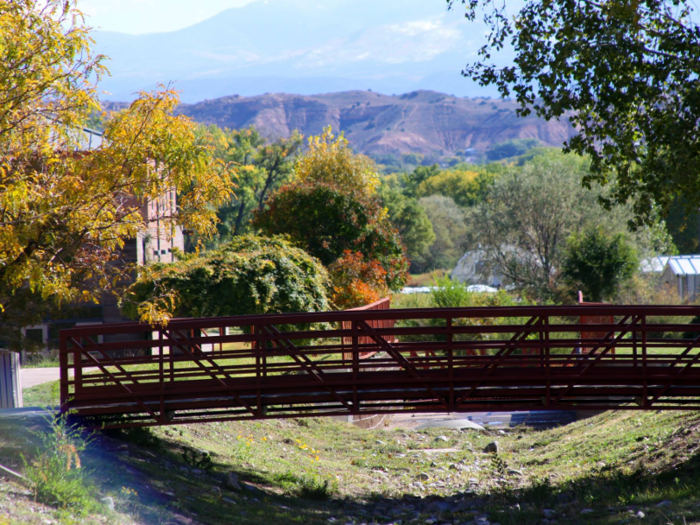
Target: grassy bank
[611, 468]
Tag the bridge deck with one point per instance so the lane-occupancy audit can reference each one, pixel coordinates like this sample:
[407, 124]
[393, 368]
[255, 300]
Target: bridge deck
[293, 365]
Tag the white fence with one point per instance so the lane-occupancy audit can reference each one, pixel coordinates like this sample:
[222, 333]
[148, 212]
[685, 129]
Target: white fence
[10, 386]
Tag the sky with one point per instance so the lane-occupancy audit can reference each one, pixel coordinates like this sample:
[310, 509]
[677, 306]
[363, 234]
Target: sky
[151, 16]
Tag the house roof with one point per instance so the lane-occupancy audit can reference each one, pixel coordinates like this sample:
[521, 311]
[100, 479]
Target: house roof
[90, 139]
[685, 264]
[654, 264]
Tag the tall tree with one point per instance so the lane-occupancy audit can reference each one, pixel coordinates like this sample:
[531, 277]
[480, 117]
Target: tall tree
[523, 224]
[626, 74]
[259, 167]
[449, 227]
[598, 262]
[410, 220]
[331, 209]
[65, 213]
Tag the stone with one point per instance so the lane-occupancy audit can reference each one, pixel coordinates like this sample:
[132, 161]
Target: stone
[640, 514]
[586, 511]
[491, 448]
[229, 501]
[549, 513]
[441, 438]
[423, 476]
[109, 502]
[232, 482]
[514, 472]
[664, 503]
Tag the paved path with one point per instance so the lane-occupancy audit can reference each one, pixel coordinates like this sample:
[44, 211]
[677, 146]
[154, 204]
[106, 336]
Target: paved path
[35, 376]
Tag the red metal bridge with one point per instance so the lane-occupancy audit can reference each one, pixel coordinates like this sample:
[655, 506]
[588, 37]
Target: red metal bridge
[383, 361]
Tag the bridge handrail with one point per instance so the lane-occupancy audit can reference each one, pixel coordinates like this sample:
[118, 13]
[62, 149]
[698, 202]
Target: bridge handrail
[451, 359]
[395, 314]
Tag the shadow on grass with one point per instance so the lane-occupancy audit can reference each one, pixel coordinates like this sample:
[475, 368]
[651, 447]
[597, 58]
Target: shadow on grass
[608, 495]
[156, 480]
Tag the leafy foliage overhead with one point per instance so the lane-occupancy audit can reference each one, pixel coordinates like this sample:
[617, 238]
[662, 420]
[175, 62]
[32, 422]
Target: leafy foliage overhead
[625, 73]
[248, 275]
[65, 213]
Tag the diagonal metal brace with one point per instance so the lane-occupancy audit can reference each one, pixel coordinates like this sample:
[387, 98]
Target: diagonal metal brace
[306, 363]
[401, 360]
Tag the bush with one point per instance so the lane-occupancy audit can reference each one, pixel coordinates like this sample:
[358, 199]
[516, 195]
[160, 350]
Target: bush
[248, 275]
[598, 263]
[308, 485]
[357, 281]
[55, 473]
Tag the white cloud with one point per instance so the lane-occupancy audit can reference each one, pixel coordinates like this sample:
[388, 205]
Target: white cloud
[414, 41]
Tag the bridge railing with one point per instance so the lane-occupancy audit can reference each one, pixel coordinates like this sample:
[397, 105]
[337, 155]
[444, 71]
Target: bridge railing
[382, 304]
[290, 365]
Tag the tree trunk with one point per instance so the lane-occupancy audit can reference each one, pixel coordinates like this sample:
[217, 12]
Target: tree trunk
[239, 219]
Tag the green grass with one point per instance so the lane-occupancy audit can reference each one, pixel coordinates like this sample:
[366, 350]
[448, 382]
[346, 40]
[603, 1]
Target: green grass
[43, 395]
[426, 279]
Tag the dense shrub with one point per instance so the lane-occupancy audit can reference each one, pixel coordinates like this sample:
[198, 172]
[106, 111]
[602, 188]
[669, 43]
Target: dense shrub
[248, 275]
[357, 281]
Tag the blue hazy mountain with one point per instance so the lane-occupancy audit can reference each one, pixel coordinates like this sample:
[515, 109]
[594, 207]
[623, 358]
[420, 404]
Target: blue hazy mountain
[295, 47]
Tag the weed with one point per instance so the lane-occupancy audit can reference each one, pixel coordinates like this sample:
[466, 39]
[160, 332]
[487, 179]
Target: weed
[55, 475]
[499, 468]
[308, 485]
[200, 459]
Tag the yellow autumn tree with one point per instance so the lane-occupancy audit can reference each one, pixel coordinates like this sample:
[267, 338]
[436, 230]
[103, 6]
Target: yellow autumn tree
[66, 212]
[331, 160]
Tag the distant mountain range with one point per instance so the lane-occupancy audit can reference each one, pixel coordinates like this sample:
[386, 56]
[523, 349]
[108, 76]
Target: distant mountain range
[425, 122]
[296, 46]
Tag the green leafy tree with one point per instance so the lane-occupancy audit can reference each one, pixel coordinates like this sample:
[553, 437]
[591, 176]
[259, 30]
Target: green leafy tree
[598, 263]
[626, 74]
[410, 220]
[259, 167]
[465, 187]
[530, 211]
[449, 227]
[422, 173]
[327, 221]
[248, 275]
[510, 148]
[66, 213]
[332, 210]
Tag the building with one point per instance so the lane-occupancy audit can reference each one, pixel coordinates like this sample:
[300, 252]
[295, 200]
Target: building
[683, 272]
[156, 244]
